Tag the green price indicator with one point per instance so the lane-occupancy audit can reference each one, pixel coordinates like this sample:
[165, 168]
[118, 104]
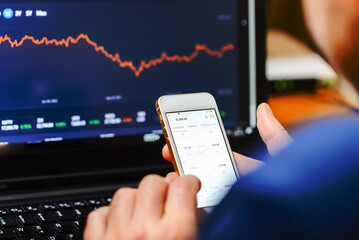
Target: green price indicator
[25, 126]
[60, 124]
[95, 122]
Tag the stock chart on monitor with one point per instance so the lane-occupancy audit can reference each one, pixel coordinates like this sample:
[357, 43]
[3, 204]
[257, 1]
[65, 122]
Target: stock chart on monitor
[95, 69]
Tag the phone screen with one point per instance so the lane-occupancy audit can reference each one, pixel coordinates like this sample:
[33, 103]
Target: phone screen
[201, 146]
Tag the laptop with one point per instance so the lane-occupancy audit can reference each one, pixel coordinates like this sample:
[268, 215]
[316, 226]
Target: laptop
[78, 85]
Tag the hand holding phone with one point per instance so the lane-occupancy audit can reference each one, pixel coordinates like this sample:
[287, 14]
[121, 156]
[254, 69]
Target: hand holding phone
[198, 143]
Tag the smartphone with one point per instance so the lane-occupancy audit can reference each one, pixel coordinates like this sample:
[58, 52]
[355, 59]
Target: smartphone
[198, 143]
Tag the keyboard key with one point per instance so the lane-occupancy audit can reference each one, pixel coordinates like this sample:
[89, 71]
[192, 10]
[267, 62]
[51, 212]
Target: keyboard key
[63, 205]
[108, 200]
[26, 219]
[79, 203]
[95, 202]
[57, 237]
[63, 227]
[32, 238]
[31, 208]
[8, 221]
[79, 225]
[45, 230]
[7, 233]
[48, 206]
[46, 217]
[82, 213]
[65, 215]
[3, 211]
[75, 236]
[15, 210]
[25, 231]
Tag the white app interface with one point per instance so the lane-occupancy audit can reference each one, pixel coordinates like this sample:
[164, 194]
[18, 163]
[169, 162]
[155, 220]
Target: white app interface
[203, 153]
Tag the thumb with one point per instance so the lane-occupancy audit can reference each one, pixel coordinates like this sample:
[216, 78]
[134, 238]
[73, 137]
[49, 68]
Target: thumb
[272, 132]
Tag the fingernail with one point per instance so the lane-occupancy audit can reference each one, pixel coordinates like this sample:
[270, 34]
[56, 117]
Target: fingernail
[268, 110]
[267, 113]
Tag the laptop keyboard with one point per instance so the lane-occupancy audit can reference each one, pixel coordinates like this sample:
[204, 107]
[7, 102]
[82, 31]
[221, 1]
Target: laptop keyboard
[48, 221]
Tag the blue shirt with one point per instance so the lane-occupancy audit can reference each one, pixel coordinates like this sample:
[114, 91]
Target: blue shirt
[310, 190]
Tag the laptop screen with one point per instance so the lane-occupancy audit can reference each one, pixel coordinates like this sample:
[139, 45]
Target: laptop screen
[77, 71]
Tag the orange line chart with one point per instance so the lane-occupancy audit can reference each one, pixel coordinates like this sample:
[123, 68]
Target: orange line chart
[116, 57]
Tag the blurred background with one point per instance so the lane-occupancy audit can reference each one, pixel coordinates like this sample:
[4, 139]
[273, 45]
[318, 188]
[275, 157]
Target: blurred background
[286, 16]
[302, 86]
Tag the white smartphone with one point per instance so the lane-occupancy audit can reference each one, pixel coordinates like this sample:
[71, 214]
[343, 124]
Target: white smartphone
[198, 143]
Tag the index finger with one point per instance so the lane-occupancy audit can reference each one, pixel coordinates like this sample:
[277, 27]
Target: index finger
[171, 177]
[181, 197]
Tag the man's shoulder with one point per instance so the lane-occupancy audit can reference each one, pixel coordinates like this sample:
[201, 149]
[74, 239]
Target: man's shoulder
[333, 130]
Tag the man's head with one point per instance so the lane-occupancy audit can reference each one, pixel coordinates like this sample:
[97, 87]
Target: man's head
[334, 25]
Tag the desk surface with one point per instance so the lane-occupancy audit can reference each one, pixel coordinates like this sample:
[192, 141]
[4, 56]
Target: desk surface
[292, 110]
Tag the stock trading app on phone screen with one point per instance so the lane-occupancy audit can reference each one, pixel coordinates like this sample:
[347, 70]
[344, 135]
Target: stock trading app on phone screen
[203, 153]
